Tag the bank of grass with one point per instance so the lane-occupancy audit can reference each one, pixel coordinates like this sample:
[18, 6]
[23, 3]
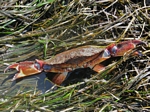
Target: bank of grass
[40, 29]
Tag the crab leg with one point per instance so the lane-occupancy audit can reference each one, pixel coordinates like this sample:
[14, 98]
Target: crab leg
[59, 78]
[99, 68]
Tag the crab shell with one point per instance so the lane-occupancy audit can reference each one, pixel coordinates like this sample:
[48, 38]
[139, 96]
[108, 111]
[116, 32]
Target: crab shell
[81, 57]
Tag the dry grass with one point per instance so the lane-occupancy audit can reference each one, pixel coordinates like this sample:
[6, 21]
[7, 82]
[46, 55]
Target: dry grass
[32, 29]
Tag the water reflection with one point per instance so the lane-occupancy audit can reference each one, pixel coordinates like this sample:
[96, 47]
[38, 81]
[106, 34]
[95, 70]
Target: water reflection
[34, 83]
[41, 82]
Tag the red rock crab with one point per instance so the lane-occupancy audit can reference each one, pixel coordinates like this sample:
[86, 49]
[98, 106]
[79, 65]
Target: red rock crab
[81, 57]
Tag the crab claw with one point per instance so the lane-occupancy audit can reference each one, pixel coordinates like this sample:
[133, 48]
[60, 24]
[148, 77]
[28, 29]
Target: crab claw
[121, 48]
[25, 68]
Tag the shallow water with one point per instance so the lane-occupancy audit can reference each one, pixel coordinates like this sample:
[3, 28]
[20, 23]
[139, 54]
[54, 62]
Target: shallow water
[34, 83]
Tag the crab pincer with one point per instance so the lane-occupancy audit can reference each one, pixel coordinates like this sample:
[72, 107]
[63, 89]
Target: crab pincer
[123, 47]
[24, 69]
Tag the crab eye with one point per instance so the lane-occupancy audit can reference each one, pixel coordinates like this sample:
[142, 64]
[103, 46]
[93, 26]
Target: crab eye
[114, 50]
[37, 65]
